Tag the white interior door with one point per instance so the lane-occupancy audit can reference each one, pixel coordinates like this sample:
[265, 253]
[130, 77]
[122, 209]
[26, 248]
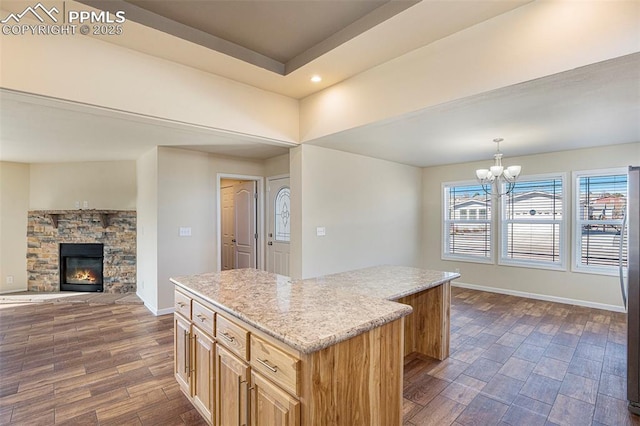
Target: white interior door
[228, 228]
[279, 225]
[244, 203]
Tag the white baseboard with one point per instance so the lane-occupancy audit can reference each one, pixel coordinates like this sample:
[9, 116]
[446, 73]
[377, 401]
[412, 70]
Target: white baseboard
[13, 291]
[165, 311]
[545, 297]
[159, 312]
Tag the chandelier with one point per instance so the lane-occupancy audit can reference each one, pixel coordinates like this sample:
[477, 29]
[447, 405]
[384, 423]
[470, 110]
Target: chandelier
[492, 178]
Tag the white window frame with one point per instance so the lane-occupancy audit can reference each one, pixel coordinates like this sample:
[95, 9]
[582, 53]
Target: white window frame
[445, 255]
[576, 231]
[504, 223]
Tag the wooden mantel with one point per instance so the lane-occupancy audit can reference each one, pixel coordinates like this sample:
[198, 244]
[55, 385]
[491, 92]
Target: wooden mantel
[54, 215]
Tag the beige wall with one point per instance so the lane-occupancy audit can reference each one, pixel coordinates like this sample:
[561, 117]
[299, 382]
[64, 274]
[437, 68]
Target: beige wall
[14, 205]
[369, 207]
[277, 166]
[103, 184]
[187, 197]
[589, 288]
[147, 232]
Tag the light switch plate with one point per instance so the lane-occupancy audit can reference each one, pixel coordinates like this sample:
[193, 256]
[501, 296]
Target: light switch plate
[185, 231]
[321, 231]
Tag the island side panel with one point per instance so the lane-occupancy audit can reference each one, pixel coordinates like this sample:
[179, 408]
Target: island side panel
[427, 328]
[357, 381]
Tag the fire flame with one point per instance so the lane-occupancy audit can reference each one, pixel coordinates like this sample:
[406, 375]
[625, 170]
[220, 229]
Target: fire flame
[84, 275]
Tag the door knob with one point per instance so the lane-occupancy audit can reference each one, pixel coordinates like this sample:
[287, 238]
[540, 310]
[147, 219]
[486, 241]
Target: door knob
[270, 243]
[233, 241]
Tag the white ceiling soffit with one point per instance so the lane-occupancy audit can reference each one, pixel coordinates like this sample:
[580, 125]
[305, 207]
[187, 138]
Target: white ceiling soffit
[340, 56]
[43, 130]
[595, 105]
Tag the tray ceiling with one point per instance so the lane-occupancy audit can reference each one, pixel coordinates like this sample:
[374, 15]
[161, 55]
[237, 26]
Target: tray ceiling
[280, 36]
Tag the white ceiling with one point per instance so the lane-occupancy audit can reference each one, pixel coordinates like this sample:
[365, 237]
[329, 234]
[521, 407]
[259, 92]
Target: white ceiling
[594, 105]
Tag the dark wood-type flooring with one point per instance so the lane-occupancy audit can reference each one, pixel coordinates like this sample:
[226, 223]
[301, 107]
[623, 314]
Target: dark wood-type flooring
[517, 361]
[513, 361]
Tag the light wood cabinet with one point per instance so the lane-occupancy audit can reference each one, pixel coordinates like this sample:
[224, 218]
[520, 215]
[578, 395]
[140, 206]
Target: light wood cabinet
[271, 406]
[194, 354]
[182, 352]
[275, 364]
[203, 373]
[232, 388]
[242, 376]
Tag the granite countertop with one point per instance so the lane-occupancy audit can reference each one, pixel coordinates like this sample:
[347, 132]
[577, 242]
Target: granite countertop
[313, 314]
[386, 282]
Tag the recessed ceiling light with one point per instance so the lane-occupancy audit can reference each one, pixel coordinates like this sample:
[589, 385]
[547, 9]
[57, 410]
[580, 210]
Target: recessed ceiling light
[316, 79]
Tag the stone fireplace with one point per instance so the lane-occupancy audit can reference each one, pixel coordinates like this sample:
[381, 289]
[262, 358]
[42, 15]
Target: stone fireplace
[81, 250]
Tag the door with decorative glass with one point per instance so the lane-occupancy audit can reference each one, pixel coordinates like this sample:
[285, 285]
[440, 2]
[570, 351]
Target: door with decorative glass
[279, 225]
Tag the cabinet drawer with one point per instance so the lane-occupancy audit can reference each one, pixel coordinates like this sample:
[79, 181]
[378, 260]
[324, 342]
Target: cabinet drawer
[232, 336]
[183, 304]
[275, 364]
[203, 317]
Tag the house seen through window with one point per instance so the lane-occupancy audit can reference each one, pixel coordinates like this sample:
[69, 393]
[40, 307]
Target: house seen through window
[533, 223]
[467, 223]
[600, 204]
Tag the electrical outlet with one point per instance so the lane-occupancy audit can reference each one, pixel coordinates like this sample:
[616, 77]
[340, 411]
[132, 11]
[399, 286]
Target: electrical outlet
[185, 231]
[321, 231]
[85, 204]
[77, 204]
[9, 279]
[142, 284]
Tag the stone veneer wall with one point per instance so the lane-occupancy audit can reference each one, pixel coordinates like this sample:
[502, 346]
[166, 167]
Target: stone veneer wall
[74, 226]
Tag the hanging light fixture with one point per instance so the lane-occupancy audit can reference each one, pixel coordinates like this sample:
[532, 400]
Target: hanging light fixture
[492, 178]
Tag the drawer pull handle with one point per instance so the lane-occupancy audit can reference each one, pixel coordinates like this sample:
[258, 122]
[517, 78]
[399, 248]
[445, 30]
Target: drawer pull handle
[181, 304]
[229, 338]
[201, 317]
[266, 364]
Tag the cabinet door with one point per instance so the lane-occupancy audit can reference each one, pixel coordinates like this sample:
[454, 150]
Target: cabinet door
[203, 373]
[232, 388]
[181, 354]
[271, 406]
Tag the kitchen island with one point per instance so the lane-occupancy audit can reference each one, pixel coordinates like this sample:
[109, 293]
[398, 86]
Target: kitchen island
[258, 348]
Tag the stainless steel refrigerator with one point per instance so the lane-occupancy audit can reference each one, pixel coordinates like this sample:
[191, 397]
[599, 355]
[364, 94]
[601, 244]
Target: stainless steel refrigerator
[633, 290]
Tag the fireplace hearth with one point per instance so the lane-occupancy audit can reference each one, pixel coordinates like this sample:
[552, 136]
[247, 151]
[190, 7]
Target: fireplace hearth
[81, 267]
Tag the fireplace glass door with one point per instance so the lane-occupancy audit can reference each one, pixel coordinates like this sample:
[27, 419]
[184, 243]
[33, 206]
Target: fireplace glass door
[83, 270]
[81, 267]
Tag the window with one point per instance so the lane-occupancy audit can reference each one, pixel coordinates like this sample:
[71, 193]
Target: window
[282, 215]
[600, 203]
[533, 223]
[467, 223]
